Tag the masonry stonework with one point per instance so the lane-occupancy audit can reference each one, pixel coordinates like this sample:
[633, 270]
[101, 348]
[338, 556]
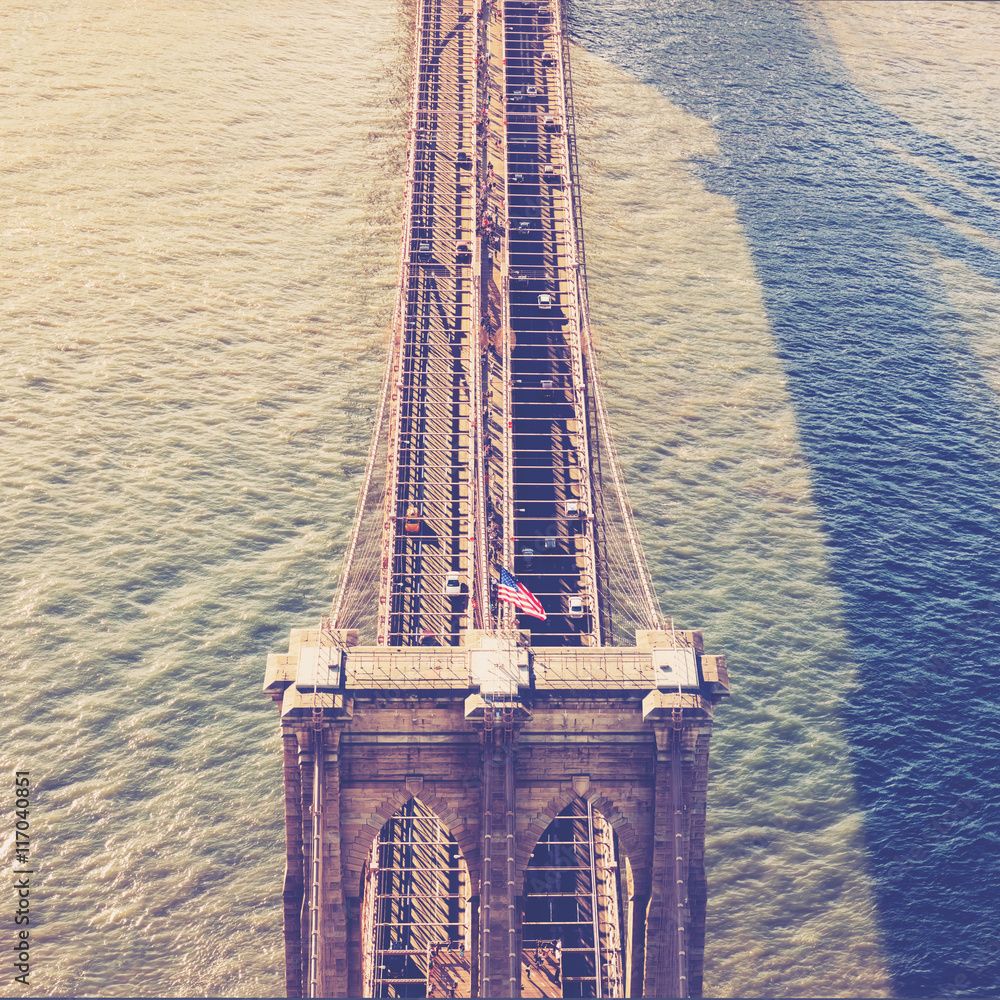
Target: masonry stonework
[639, 757]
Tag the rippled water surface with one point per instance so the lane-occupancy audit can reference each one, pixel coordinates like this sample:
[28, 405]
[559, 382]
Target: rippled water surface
[792, 222]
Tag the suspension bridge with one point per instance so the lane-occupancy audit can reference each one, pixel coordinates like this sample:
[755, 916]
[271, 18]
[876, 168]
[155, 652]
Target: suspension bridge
[495, 746]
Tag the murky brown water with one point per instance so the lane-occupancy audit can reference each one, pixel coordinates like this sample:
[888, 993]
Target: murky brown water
[200, 247]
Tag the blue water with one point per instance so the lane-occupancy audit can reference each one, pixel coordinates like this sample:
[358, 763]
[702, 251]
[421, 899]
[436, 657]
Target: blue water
[899, 426]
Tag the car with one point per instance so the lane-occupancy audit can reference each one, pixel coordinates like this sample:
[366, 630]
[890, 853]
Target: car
[549, 124]
[462, 250]
[576, 606]
[548, 59]
[572, 508]
[532, 92]
[411, 523]
[452, 585]
[424, 252]
[517, 178]
[549, 173]
[464, 160]
[545, 301]
[522, 226]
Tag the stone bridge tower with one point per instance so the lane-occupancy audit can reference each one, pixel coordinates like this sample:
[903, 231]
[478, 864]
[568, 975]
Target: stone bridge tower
[495, 758]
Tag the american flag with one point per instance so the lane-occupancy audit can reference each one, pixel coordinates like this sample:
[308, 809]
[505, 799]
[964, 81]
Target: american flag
[518, 594]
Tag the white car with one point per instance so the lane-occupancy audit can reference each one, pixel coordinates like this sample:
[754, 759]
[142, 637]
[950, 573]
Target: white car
[576, 607]
[452, 585]
[545, 301]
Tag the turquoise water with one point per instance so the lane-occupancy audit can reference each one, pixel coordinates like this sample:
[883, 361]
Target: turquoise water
[201, 233]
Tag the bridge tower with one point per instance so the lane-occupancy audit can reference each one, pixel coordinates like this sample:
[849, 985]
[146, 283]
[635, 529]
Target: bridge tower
[487, 793]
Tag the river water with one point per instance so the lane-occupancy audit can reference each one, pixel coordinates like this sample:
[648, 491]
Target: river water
[792, 222]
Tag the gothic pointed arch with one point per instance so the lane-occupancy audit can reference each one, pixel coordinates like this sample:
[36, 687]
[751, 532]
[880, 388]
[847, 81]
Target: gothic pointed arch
[576, 900]
[465, 833]
[417, 904]
[632, 842]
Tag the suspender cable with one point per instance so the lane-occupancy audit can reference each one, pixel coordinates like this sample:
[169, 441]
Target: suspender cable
[512, 962]
[316, 880]
[595, 916]
[677, 827]
[485, 891]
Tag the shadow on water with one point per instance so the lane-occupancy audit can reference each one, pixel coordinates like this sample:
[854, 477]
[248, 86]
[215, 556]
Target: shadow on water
[899, 428]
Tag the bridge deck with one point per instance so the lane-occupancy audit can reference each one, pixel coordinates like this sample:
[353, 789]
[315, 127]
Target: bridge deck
[429, 455]
[488, 452]
[553, 547]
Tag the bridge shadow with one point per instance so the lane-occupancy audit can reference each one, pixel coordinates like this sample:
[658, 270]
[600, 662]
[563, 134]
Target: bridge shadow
[899, 428]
